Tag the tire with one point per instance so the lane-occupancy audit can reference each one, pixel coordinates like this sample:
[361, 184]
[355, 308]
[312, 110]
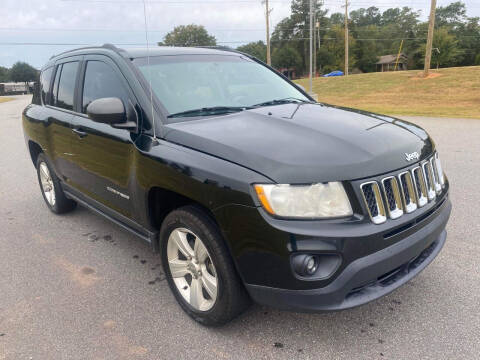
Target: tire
[51, 189]
[231, 299]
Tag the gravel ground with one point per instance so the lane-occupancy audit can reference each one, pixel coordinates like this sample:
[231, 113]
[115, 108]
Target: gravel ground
[78, 287]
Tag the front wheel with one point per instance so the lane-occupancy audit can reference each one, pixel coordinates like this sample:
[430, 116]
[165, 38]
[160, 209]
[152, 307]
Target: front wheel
[199, 269]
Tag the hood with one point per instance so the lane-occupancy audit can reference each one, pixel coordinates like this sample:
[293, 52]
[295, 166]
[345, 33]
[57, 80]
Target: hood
[305, 143]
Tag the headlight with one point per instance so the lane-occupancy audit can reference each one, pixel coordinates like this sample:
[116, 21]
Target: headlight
[300, 201]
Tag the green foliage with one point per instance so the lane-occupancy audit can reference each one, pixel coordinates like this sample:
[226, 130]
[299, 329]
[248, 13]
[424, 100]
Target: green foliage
[477, 60]
[445, 49]
[286, 57]
[374, 33]
[4, 74]
[294, 31]
[257, 49]
[189, 35]
[451, 15]
[23, 72]
[336, 47]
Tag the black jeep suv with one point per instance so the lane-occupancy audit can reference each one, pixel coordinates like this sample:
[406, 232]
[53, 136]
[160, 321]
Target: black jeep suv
[247, 187]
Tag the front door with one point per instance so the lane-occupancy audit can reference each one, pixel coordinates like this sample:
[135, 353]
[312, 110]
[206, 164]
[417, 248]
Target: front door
[104, 155]
[59, 101]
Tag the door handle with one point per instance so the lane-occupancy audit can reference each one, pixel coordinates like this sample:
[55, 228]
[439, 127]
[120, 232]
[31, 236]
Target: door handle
[80, 133]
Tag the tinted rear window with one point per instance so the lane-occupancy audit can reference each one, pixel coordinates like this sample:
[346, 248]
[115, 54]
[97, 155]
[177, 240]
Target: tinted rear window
[66, 86]
[45, 80]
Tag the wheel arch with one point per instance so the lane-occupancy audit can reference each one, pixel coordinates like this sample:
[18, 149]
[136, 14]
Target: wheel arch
[34, 150]
[162, 201]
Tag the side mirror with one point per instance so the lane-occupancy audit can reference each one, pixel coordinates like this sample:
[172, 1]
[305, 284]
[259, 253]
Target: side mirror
[107, 111]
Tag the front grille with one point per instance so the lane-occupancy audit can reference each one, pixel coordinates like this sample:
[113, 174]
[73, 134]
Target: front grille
[405, 192]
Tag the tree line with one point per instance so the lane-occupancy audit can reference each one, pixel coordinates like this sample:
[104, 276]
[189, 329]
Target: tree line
[19, 72]
[372, 33]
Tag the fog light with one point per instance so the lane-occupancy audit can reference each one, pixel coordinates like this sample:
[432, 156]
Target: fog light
[305, 265]
[311, 265]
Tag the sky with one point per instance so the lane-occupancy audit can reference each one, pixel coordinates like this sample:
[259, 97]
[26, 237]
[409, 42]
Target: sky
[73, 23]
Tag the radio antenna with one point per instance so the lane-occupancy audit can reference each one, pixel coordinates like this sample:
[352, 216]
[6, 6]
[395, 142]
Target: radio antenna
[149, 70]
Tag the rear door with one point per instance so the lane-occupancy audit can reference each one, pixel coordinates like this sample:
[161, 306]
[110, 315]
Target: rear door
[104, 154]
[59, 105]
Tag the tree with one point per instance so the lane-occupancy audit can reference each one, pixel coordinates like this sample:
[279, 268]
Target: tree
[189, 35]
[335, 45]
[367, 52]
[445, 48]
[294, 30]
[23, 72]
[286, 57]
[468, 35]
[4, 74]
[257, 49]
[451, 15]
[366, 17]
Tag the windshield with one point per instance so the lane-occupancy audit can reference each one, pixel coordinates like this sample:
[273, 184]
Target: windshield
[190, 82]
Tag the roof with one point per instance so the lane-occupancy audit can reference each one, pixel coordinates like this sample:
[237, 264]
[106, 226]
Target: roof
[152, 51]
[144, 52]
[388, 59]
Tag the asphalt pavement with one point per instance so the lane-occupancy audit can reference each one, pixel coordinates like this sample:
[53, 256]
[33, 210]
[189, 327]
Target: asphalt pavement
[79, 287]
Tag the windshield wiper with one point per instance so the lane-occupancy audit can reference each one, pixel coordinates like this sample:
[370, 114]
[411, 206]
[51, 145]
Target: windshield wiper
[288, 100]
[214, 110]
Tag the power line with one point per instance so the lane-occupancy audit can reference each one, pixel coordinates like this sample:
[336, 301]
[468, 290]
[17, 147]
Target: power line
[217, 2]
[16, 43]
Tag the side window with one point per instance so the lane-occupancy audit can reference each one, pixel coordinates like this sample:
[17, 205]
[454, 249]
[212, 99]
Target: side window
[66, 86]
[102, 81]
[45, 80]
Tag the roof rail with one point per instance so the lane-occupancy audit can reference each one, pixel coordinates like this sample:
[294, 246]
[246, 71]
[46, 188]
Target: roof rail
[114, 48]
[229, 49]
[104, 46]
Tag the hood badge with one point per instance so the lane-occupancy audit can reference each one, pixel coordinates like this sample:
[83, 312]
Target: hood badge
[410, 157]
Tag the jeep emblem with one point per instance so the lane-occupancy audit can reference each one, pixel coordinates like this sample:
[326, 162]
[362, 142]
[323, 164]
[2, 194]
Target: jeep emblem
[412, 156]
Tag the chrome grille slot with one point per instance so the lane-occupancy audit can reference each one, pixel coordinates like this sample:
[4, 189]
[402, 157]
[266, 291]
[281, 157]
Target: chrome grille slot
[438, 167]
[428, 173]
[421, 188]
[408, 192]
[392, 196]
[435, 177]
[373, 200]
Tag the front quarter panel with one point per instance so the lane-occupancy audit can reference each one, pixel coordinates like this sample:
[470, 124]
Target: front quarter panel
[208, 180]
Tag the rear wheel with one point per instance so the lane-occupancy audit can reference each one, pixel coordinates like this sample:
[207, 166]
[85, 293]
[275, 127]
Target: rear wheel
[51, 189]
[199, 269]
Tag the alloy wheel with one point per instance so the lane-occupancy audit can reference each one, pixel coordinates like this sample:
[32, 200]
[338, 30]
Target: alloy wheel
[192, 269]
[46, 181]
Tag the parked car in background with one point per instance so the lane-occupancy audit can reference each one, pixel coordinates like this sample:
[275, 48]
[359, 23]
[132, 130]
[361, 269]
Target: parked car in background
[334, 73]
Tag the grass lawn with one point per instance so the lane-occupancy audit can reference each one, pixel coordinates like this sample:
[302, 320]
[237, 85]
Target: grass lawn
[451, 92]
[4, 99]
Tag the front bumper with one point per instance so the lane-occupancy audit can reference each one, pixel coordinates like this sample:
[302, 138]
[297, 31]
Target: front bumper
[367, 278]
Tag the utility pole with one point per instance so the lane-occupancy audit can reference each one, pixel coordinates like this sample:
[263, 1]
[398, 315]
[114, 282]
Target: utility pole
[267, 17]
[311, 46]
[317, 27]
[346, 38]
[431, 26]
[314, 43]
